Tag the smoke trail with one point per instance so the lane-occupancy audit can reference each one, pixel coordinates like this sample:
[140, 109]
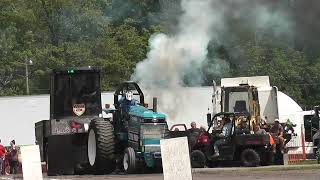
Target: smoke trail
[172, 57]
[176, 60]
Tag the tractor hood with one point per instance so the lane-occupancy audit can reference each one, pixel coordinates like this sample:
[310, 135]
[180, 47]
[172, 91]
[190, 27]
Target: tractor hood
[145, 113]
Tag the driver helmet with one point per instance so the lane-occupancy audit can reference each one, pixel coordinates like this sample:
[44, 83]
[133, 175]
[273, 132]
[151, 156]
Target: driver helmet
[129, 95]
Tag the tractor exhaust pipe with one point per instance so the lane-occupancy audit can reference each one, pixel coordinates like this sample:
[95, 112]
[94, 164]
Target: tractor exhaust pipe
[209, 118]
[155, 104]
[316, 111]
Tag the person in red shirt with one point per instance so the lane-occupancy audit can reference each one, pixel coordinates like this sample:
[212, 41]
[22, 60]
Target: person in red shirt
[2, 155]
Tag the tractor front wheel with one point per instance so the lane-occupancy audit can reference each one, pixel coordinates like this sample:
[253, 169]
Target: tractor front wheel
[129, 160]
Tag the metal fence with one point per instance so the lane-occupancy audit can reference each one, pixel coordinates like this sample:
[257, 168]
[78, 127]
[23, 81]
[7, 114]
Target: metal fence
[296, 149]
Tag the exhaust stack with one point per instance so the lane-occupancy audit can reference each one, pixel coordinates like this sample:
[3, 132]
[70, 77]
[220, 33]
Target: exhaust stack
[209, 118]
[155, 104]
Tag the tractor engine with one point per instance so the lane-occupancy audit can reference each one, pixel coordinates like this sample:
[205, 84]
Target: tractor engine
[146, 128]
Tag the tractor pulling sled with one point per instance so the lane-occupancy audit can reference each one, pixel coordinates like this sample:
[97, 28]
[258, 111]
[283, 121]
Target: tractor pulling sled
[77, 139]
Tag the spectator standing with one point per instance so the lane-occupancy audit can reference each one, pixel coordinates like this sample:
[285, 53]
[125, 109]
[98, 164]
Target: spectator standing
[2, 155]
[13, 158]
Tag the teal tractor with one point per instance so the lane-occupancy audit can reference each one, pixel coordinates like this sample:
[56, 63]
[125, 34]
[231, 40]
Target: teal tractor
[137, 129]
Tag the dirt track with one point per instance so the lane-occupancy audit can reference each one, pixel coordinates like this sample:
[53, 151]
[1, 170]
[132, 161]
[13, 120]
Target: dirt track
[309, 174]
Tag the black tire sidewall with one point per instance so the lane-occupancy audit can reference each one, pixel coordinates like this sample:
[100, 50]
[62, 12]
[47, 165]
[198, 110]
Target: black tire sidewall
[131, 160]
[100, 166]
[254, 159]
[200, 159]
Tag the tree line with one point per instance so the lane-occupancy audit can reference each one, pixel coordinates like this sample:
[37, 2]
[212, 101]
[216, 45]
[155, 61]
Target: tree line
[113, 35]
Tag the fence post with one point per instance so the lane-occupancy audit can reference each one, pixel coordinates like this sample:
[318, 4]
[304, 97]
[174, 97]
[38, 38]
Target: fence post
[304, 157]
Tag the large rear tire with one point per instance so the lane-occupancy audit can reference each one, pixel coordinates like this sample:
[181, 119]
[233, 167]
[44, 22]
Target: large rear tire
[250, 158]
[129, 161]
[101, 147]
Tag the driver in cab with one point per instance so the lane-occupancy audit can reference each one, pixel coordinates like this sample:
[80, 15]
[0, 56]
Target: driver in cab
[224, 135]
[127, 101]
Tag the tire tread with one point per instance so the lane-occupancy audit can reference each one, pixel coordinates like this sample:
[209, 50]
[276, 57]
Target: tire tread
[105, 146]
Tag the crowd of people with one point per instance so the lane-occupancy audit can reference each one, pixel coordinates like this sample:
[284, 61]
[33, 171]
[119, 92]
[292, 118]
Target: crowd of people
[9, 163]
[280, 130]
